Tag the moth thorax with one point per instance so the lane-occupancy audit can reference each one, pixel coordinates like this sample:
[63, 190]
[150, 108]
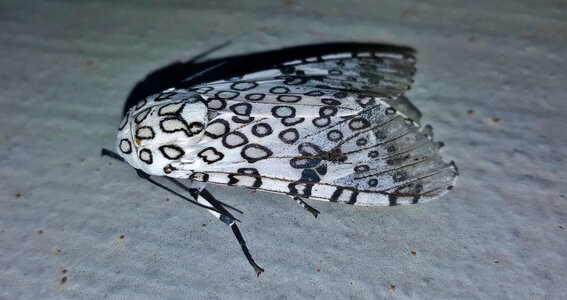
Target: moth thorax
[163, 131]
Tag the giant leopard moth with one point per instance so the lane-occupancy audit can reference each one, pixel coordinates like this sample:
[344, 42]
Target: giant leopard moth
[323, 126]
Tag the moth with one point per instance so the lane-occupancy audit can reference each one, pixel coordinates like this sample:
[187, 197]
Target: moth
[324, 127]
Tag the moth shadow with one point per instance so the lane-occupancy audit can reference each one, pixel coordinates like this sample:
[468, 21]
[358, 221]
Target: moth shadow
[183, 74]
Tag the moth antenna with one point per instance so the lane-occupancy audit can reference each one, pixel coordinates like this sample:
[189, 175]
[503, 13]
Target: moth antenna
[204, 54]
[200, 73]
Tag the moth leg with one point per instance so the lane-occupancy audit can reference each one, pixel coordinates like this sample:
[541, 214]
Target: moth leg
[242, 243]
[230, 221]
[200, 189]
[211, 204]
[143, 175]
[307, 207]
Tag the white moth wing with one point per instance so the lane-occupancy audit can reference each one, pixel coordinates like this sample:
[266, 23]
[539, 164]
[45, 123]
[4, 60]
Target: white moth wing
[338, 80]
[380, 74]
[321, 128]
[387, 162]
[264, 97]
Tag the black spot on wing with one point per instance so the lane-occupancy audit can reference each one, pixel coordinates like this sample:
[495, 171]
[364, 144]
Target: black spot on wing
[172, 152]
[217, 128]
[244, 85]
[255, 152]
[146, 156]
[234, 140]
[292, 121]
[241, 109]
[289, 136]
[262, 129]
[125, 146]
[210, 155]
[282, 111]
[242, 120]
[255, 96]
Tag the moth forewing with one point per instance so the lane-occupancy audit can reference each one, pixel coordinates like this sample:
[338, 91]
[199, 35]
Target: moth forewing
[321, 128]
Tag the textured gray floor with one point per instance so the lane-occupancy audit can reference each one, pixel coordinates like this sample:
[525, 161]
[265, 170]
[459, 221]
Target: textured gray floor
[491, 80]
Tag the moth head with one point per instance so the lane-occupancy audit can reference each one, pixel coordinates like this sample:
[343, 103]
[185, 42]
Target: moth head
[161, 130]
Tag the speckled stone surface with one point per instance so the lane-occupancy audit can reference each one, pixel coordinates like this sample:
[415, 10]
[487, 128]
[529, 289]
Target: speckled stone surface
[491, 80]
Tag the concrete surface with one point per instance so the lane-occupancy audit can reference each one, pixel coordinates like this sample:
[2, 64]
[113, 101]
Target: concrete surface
[491, 80]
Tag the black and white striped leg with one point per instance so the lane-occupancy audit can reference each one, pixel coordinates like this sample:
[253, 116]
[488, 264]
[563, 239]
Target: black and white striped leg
[307, 207]
[242, 243]
[203, 199]
[229, 220]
